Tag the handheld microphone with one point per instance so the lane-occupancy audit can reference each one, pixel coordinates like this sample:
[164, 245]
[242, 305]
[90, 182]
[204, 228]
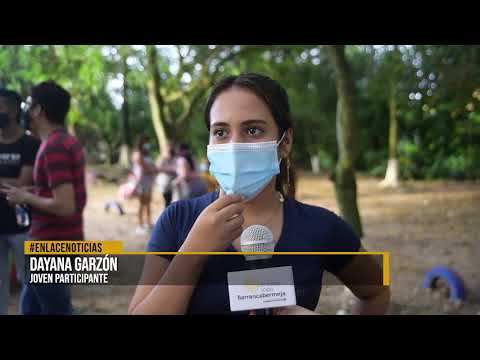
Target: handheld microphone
[257, 238]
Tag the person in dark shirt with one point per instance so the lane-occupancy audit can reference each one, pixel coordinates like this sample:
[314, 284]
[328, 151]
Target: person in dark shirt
[59, 197]
[17, 156]
[251, 137]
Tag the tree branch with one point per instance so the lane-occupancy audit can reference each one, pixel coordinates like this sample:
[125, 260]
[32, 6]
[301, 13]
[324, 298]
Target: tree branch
[244, 50]
[188, 109]
[205, 81]
[181, 62]
[153, 70]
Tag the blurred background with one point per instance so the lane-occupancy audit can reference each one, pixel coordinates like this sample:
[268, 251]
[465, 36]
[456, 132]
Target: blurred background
[387, 136]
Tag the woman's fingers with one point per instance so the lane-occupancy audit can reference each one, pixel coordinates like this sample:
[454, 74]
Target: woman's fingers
[224, 201]
[231, 211]
[236, 233]
[235, 223]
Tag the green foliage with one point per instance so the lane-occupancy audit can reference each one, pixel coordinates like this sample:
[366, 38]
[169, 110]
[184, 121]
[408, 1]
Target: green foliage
[437, 89]
[327, 161]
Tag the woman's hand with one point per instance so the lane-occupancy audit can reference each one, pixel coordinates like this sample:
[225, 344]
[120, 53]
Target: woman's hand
[217, 226]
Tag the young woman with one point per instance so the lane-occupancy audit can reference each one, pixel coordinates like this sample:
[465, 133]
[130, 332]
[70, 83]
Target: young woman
[251, 137]
[144, 172]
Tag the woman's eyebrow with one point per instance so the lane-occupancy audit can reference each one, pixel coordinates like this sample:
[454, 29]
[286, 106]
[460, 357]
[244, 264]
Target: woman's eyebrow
[248, 122]
[218, 124]
[254, 121]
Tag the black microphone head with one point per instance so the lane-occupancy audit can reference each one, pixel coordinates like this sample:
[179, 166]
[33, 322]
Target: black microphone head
[257, 238]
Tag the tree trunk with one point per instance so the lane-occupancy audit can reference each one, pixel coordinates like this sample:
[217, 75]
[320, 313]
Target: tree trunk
[124, 158]
[127, 141]
[315, 162]
[125, 106]
[155, 99]
[391, 176]
[347, 134]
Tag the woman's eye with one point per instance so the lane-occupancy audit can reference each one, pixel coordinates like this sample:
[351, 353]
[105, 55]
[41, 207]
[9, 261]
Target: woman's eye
[254, 131]
[219, 133]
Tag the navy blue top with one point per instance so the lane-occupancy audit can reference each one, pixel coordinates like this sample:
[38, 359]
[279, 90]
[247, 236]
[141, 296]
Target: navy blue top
[305, 228]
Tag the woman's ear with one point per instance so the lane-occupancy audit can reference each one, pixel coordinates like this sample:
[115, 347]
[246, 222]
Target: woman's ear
[285, 146]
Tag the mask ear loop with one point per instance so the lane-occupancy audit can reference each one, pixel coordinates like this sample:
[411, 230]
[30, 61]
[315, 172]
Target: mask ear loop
[281, 139]
[278, 144]
[287, 166]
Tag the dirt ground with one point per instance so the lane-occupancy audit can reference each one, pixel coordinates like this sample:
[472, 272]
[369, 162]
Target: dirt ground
[422, 225]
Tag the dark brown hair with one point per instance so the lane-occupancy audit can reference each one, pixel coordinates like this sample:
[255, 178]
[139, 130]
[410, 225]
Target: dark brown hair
[183, 150]
[276, 99]
[13, 99]
[53, 99]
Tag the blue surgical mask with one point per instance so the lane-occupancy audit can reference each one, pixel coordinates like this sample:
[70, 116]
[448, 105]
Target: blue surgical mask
[244, 168]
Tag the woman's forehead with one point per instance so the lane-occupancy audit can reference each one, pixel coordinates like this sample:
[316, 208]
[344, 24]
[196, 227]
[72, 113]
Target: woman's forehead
[237, 105]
